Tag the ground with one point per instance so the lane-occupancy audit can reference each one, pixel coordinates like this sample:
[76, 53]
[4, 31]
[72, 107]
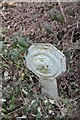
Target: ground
[22, 25]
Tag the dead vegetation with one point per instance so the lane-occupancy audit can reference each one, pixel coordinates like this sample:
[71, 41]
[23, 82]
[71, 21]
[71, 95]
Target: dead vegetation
[27, 23]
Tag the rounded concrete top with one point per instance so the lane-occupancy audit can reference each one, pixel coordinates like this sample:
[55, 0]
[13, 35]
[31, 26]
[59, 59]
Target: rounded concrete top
[45, 60]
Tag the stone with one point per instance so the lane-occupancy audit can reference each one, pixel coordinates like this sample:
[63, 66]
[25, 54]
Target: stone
[47, 62]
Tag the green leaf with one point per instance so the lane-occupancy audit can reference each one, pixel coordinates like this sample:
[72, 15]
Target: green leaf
[47, 27]
[35, 104]
[4, 110]
[13, 98]
[66, 101]
[14, 54]
[54, 14]
[22, 42]
[12, 107]
[61, 18]
[26, 109]
[38, 115]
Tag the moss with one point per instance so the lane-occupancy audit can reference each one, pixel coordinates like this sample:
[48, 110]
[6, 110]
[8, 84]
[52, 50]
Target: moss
[43, 69]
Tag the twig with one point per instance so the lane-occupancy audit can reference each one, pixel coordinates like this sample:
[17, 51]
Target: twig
[72, 36]
[10, 63]
[15, 110]
[72, 25]
[67, 33]
[2, 15]
[63, 112]
[5, 59]
[78, 23]
[62, 10]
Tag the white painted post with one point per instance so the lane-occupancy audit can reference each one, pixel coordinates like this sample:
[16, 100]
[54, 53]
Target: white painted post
[47, 62]
[49, 87]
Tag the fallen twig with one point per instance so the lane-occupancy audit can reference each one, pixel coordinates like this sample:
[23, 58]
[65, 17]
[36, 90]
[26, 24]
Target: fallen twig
[15, 110]
[67, 33]
[2, 14]
[62, 10]
[62, 109]
[78, 23]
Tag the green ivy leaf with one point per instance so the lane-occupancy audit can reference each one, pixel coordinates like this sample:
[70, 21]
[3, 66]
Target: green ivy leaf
[4, 110]
[47, 27]
[38, 115]
[61, 18]
[22, 42]
[54, 14]
[35, 104]
[14, 54]
[12, 107]
[26, 109]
